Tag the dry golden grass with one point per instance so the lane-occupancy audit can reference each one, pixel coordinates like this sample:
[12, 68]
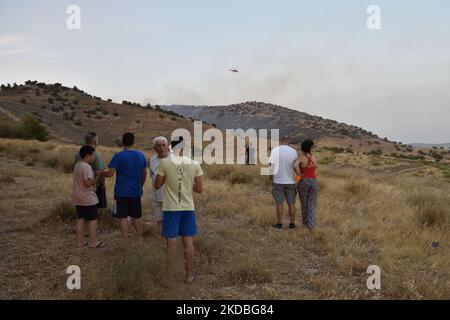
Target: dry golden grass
[367, 215]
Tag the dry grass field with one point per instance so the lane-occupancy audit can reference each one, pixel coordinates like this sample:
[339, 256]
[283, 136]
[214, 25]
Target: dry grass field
[373, 210]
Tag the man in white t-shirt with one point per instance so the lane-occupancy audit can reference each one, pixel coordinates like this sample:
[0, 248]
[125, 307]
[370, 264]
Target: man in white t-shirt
[282, 159]
[161, 147]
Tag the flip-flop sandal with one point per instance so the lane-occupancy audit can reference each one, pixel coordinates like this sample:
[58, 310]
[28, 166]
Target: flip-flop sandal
[99, 245]
[190, 280]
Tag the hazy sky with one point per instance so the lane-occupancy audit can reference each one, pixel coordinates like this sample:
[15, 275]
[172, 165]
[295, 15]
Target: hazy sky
[314, 56]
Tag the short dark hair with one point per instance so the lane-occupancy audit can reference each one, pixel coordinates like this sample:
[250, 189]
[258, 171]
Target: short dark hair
[86, 150]
[90, 138]
[173, 143]
[128, 139]
[285, 139]
[307, 146]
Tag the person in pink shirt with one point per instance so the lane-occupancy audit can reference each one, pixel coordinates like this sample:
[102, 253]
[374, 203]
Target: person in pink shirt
[85, 199]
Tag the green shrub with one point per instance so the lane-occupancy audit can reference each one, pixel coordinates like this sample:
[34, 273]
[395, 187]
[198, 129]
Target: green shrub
[327, 160]
[9, 129]
[31, 128]
[28, 128]
[376, 152]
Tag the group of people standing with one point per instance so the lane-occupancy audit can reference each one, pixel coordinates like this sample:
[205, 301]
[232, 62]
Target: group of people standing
[174, 180]
[294, 174]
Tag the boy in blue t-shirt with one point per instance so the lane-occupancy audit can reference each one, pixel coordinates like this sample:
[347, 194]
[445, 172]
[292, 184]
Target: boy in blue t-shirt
[130, 168]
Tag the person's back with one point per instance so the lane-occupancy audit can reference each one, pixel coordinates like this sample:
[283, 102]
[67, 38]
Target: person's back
[181, 176]
[283, 158]
[82, 194]
[130, 168]
[128, 165]
[180, 173]
[308, 166]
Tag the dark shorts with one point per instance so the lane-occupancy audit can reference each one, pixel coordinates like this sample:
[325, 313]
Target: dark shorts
[128, 207]
[87, 212]
[101, 195]
[179, 223]
[280, 192]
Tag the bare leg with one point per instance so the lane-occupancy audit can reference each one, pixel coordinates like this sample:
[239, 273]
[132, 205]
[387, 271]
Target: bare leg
[80, 232]
[138, 225]
[280, 213]
[124, 228]
[170, 261]
[292, 212]
[160, 227]
[189, 251]
[92, 231]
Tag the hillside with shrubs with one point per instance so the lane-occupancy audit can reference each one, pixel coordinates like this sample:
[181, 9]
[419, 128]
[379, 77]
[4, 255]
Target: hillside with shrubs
[66, 114]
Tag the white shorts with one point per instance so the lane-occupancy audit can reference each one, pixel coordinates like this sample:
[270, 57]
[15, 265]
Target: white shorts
[157, 210]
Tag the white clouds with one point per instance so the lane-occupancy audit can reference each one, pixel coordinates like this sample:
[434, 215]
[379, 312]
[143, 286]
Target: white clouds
[10, 39]
[14, 44]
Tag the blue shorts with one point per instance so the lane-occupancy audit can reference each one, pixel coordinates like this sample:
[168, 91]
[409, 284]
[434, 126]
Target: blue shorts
[179, 223]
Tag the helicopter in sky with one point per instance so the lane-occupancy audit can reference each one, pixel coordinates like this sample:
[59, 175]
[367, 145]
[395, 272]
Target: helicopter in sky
[234, 70]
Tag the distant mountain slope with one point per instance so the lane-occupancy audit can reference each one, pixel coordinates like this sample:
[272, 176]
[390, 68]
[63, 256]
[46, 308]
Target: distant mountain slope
[430, 145]
[69, 113]
[298, 125]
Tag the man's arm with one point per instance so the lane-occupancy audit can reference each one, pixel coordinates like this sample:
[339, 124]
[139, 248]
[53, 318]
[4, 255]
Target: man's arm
[159, 181]
[297, 166]
[100, 165]
[108, 173]
[198, 184]
[144, 175]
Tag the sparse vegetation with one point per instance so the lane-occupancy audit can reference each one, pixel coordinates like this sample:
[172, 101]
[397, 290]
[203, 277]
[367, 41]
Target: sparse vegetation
[6, 177]
[327, 160]
[249, 271]
[63, 212]
[28, 128]
[362, 218]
